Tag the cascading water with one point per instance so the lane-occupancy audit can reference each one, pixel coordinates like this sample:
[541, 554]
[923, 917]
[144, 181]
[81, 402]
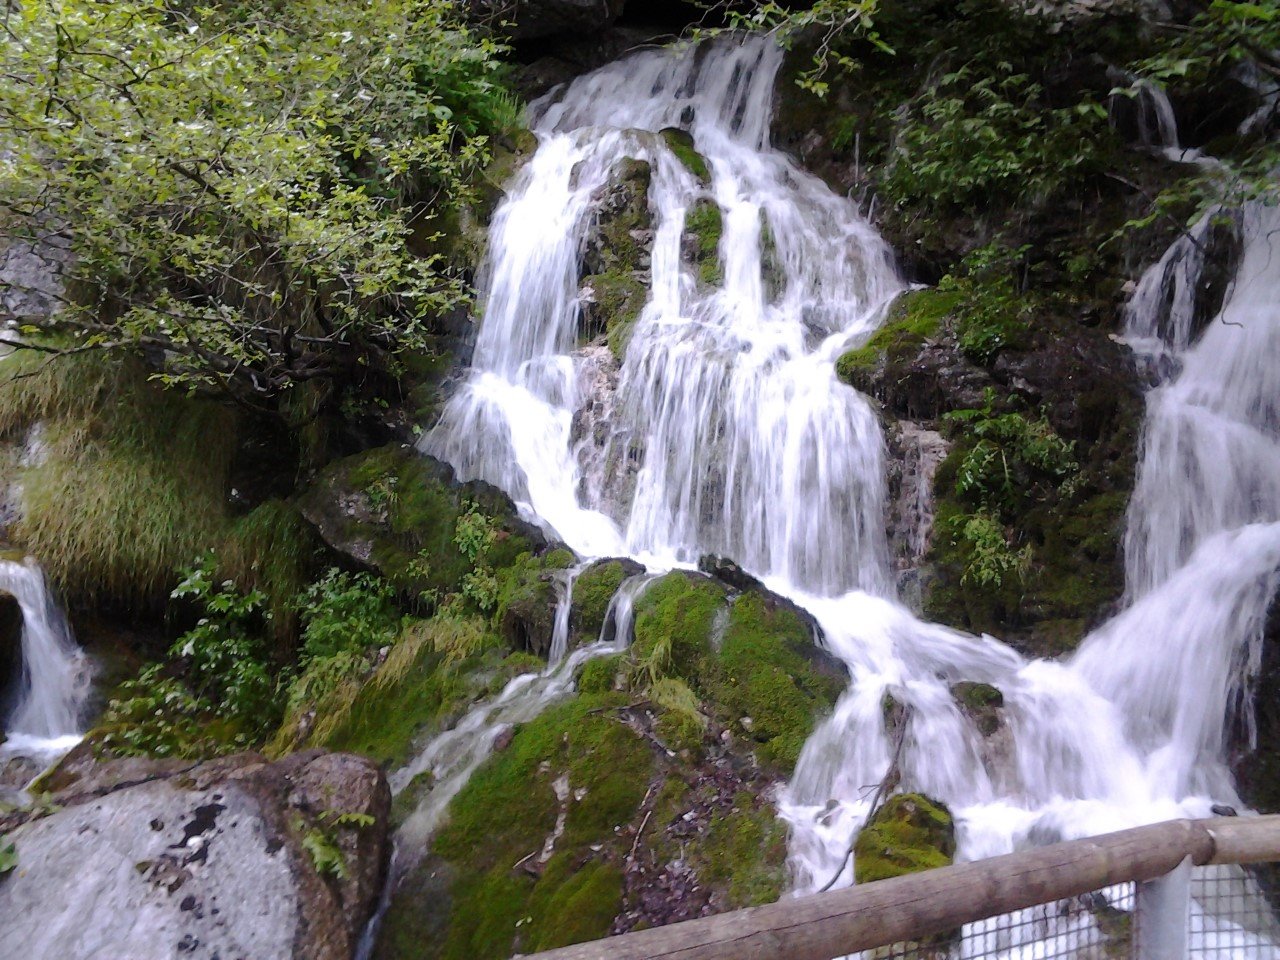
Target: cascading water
[743, 443]
[55, 679]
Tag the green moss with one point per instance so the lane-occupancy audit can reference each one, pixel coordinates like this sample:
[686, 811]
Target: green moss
[744, 851]
[507, 810]
[600, 675]
[674, 617]
[573, 904]
[764, 672]
[705, 223]
[618, 298]
[914, 317]
[412, 692]
[908, 834]
[680, 143]
[592, 593]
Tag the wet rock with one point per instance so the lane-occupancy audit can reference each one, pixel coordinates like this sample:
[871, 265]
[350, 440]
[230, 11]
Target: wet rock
[909, 833]
[528, 599]
[728, 573]
[980, 702]
[915, 453]
[236, 857]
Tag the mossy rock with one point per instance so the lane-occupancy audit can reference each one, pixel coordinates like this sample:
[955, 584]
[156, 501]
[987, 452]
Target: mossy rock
[396, 512]
[768, 670]
[527, 601]
[680, 143]
[753, 660]
[674, 620]
[914, 317]
[611, 305]
[909, 833]
[619, 238]
[602, 674]
[981, 703]
[703, 228]
[593, 591]
[496, 899]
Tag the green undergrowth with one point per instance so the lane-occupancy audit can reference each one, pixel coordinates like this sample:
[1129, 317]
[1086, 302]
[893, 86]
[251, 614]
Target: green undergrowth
[433, 671]
[130, 481]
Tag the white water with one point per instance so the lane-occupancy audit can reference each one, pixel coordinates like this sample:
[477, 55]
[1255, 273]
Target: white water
[746, 445]
[54, 685]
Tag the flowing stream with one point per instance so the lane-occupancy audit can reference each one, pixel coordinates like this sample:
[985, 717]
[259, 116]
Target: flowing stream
[727, 432]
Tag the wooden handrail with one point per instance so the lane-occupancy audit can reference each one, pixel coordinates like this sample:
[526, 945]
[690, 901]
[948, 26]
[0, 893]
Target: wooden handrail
[920, 905]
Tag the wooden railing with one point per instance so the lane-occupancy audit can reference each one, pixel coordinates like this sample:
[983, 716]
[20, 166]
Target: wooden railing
[921, 905]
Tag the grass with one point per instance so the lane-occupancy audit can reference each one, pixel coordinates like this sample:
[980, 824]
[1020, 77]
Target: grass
[130, 480]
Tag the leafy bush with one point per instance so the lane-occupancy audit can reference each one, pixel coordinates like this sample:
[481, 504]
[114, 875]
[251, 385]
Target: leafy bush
[246, 180]
[223, 654]
[992, 562]
[991, 313]
[983, 130]
[155, 715]
[347, 613]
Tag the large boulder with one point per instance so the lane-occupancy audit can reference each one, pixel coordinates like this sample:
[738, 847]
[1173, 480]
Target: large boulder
[396, 512]
[231, 858]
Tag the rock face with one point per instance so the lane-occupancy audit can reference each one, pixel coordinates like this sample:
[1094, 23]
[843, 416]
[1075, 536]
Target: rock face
[232, 858]
[536, 19]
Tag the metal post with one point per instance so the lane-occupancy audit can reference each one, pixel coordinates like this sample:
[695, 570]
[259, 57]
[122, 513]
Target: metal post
[1161, 914]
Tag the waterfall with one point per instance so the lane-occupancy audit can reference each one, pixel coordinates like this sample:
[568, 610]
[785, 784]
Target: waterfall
[740, 441]
[55, 678]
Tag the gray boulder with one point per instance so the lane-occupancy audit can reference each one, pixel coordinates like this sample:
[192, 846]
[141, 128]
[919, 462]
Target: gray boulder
[231, 858]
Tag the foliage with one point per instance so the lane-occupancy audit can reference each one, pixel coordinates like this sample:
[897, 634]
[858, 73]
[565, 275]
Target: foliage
[835, 21]
[223, 654]
[272, 549]
[247, 181]
[8, 856]
[326, 855]
[476, 533]
[991, 312]
[982, 130]
[346, 613]
[155, 715]
[345, 617]
[992, 562]
[1007, 455]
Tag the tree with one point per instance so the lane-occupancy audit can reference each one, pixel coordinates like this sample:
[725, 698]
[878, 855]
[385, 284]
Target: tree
[249, 190]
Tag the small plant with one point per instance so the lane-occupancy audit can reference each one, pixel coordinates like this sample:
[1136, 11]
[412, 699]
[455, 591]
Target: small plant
[348, 819]
[326, 855]
[474, 535]
[992, 311]
[344, 612]
[155, 715]
[8, 857]
[992, 561]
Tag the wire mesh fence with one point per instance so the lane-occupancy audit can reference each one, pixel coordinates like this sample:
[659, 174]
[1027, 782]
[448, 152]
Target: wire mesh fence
[1230, 914]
